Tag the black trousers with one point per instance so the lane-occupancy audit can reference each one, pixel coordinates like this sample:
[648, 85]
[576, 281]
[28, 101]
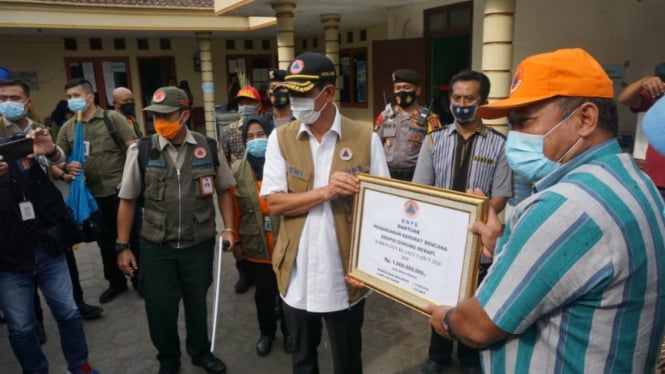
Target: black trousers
[170, 275]
[108, 208]
[266, 298]
[440, 348]
[344, 331]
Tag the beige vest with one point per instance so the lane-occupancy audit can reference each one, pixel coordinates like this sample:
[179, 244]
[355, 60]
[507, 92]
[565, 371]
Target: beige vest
[300, 177]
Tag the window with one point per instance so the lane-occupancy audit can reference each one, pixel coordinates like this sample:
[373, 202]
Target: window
[353, 71]
[105, 74]
[254, 67]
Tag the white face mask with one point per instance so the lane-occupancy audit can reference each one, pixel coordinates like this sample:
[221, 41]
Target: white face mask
[303, 108]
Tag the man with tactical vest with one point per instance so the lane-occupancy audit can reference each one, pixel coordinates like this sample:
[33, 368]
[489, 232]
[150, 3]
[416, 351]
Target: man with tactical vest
[178, 178]
[403, 127]
[320, 153]
[106, 134]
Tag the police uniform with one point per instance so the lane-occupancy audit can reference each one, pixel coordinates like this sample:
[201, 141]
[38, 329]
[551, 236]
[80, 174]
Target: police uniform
[402, 132]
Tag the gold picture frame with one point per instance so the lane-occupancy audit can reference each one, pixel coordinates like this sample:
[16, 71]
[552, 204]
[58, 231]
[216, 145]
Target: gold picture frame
[410, 242]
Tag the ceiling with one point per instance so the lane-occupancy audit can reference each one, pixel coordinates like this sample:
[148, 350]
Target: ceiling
[307, 22]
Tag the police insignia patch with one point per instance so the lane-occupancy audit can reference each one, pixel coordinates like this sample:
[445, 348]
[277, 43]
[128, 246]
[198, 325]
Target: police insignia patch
[200, 152]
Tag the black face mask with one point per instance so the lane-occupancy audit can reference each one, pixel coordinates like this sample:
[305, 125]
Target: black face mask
[405, 98]
[281, 99]
[127, 108]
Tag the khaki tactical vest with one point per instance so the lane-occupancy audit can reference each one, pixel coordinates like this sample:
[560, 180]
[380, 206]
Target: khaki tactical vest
[357, 140]
[252, 223]
[176, 213]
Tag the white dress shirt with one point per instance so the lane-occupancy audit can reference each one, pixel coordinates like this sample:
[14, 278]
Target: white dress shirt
[317, 278]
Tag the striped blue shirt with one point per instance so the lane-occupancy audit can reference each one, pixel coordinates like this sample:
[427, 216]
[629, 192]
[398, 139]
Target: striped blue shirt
[579, 274]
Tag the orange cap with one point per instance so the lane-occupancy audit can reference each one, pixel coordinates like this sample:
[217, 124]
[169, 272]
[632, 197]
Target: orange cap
[249, 92]
[565, 72]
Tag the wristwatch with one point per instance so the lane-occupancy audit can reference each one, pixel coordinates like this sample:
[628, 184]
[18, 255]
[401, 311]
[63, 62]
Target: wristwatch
[119, 247]
[445, 323]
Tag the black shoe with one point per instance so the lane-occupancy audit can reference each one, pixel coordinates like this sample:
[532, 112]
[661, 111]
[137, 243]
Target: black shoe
[89, 312]
[243, 285]
[288, 344]
[168, 369]
[264, 345]
[472, 370]
[210, 363]
[111, 293]
[41, 333]
[431, 367]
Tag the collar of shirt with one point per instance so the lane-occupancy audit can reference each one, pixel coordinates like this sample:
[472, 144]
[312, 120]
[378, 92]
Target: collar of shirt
[32, 125]
[163, 142]
[336, 126]
[452, 129]
[607, 148]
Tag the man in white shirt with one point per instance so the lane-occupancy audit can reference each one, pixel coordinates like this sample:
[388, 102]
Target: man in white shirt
[308, 179]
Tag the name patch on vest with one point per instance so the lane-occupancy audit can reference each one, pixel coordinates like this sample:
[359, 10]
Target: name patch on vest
[356, 169]
[197, 163]
[294, 171]
[156, 164]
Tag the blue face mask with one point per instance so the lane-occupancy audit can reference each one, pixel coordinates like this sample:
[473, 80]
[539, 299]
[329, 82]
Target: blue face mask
[257, 147]
[13, 110]
[463, 113]
[525, 156]
[77, 104]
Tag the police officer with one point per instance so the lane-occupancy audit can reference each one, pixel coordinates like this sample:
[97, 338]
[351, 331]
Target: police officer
[280, 113]
[178, 178]
[403, 127]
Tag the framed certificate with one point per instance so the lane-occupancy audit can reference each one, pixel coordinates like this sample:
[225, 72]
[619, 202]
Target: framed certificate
[410, 242]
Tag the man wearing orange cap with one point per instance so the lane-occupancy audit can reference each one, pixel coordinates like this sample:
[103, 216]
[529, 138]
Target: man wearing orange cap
[249, 104]
[577, 280]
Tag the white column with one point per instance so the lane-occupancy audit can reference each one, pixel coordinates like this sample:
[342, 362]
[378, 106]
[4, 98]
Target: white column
[285, 40]
[207, 83]
[331, 36]
[498, 34]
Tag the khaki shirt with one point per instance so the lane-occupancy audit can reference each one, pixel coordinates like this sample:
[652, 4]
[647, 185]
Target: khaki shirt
[131, 178]
[9, 128]
[103, 166]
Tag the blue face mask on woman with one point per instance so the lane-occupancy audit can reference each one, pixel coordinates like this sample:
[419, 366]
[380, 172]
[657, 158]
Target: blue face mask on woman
[524, 153]
[257, 147]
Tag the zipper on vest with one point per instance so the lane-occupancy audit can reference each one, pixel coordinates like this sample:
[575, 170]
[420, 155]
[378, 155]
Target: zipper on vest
[179, 207]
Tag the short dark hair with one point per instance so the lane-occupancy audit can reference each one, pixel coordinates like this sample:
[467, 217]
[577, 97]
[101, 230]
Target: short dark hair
[472, 75]
[608, 117]
[10, 82]
[87, 87]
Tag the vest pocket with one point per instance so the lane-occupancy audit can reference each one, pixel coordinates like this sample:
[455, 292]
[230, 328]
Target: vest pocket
[155, 191]
[298, 180]
[204, 224]
[154, 226]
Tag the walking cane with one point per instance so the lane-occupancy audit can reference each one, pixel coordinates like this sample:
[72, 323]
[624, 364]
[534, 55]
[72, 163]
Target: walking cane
[223, 246]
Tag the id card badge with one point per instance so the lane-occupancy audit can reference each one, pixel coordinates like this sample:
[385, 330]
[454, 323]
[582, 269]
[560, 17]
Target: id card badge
[86, 148]
[267, 223]
[207, 187]
[27, 210]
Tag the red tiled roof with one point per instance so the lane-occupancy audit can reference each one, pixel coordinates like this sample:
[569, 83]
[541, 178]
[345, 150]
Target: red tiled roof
[196, 4]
